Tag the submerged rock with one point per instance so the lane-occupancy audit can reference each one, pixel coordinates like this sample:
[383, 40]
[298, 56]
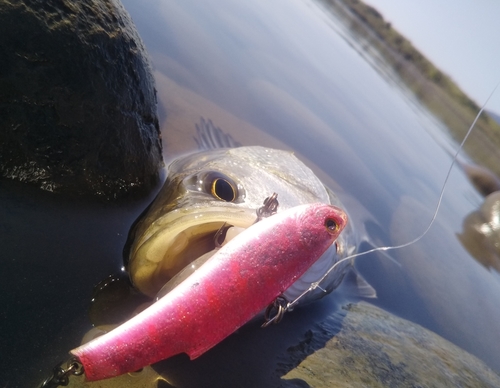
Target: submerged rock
[77, 98]
[365, 346]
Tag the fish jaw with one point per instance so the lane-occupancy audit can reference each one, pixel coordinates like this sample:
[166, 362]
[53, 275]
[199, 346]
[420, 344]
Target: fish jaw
[233, 286]
[162, 252]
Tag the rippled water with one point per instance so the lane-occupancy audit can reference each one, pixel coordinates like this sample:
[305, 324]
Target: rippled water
[280, 74]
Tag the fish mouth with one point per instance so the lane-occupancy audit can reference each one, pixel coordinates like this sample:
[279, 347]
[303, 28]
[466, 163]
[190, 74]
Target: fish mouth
[179, 238]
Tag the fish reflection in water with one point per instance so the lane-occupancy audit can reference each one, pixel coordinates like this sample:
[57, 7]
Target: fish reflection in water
[222, 187]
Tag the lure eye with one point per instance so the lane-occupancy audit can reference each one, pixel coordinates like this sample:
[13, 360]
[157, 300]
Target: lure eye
[331, 225]
[221, 187]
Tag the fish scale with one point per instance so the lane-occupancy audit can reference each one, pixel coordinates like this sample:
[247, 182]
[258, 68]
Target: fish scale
[233, 286]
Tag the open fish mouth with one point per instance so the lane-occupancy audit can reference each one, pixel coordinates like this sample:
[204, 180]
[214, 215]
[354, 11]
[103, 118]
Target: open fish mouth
[180, 238]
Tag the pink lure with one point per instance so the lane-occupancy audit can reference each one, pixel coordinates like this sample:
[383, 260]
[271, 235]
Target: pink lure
[233, 286]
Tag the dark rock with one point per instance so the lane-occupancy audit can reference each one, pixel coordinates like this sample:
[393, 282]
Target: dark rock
[368, 347]
[77, 98]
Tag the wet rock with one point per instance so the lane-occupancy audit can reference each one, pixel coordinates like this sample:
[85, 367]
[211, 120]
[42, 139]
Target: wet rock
[483, 179]
[481, 232]
[77, 98]
[365, 346]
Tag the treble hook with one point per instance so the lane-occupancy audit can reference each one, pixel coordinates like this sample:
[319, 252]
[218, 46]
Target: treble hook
[269, 207]
[280, 304]
[219, 234]
[60, 375]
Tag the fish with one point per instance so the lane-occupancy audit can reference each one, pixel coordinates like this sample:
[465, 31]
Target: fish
[232, 286]
[221, 187]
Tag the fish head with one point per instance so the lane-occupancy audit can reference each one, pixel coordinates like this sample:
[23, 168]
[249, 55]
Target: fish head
[204, 193]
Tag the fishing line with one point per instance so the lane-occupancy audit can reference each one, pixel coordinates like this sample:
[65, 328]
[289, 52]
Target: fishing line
[422, 235]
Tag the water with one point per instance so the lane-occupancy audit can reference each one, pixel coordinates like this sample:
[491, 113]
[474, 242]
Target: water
[285, 75]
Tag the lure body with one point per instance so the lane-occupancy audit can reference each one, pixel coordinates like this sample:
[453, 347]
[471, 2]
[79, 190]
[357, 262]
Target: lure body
[233, 286]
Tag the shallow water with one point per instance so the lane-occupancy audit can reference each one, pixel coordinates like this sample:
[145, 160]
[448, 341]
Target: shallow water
[285, 75]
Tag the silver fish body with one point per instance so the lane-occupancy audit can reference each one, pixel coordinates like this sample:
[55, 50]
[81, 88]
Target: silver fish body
[216, 189]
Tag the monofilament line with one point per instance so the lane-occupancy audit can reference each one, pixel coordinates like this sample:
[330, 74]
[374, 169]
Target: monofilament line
[438, 205]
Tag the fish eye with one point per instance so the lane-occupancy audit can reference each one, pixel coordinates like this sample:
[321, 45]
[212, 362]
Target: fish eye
[331, 225]
[221, 187]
